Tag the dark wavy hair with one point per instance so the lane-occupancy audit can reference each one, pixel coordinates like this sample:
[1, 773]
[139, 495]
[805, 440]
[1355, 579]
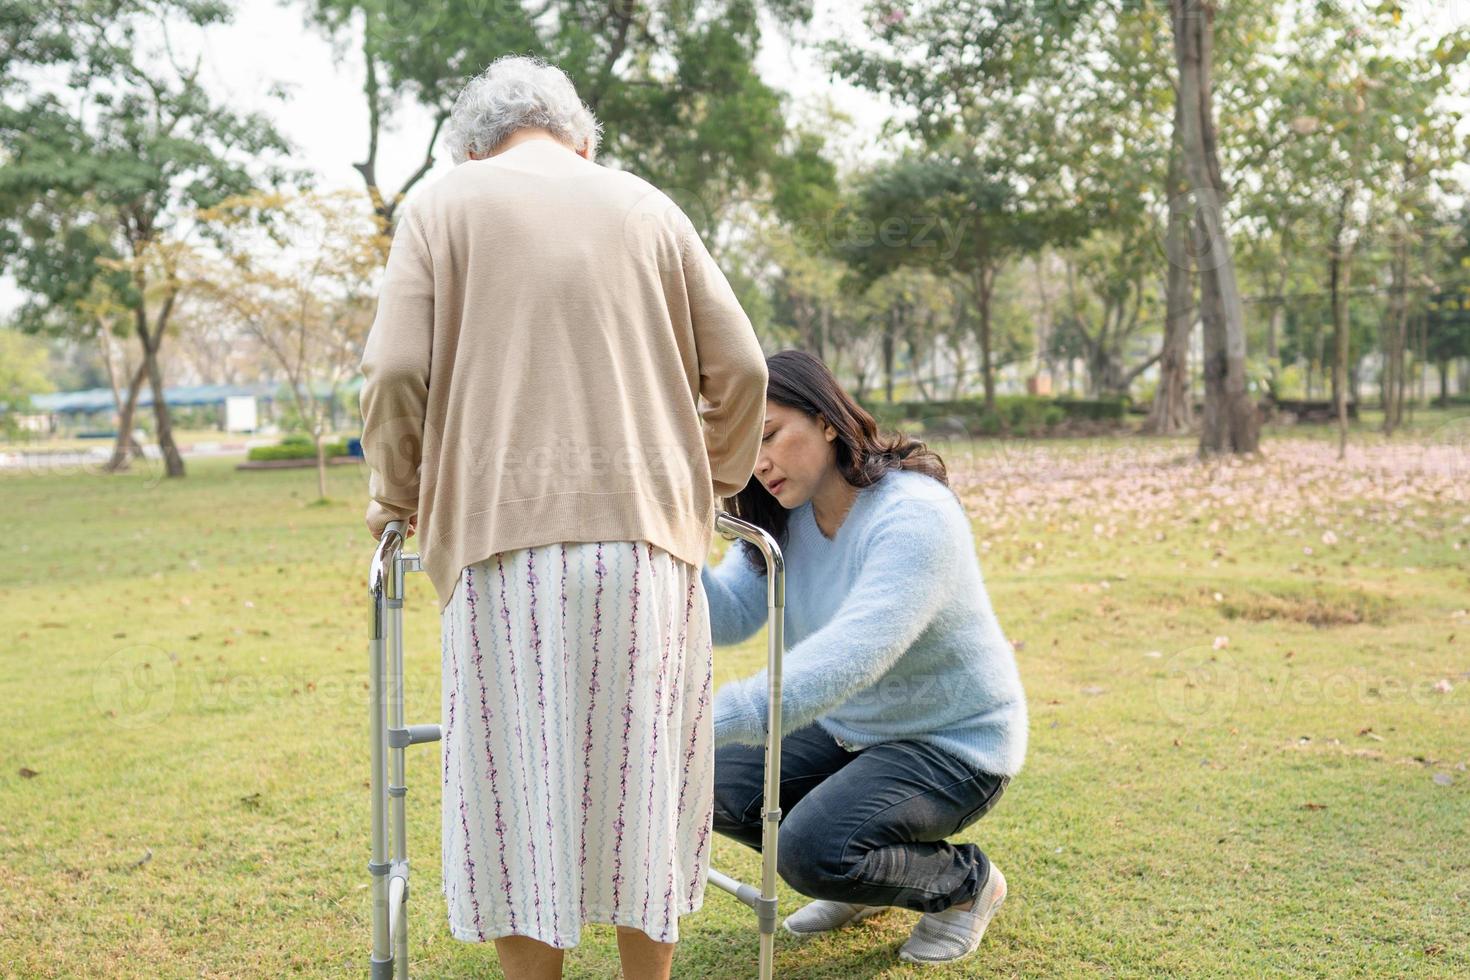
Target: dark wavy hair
[801, 381]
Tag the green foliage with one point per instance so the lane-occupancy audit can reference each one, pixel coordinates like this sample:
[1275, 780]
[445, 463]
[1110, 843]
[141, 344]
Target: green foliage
[1098, 410]
[1013, 414]
[674, 85]
[1447, 311]
[79, 188]
[296, 446]
[22, 373]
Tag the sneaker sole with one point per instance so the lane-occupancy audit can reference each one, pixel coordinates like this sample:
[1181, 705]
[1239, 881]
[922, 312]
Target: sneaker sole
[864, 914]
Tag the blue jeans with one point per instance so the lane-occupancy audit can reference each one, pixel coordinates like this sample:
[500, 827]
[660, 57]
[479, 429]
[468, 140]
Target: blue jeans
[865, 827]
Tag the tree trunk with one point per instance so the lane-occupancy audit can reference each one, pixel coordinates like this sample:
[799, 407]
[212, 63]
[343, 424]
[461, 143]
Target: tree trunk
[889, 332]
[1230, 423]
[983, 285]
[172, 461]
[859, 370]
[915, 359]
[1103, 375]
[1212, 348]
[128, 448]
[152, 341]
[805, 319]
[957, 344]
[1043, 322]
[321, 465]
[1172, 413]
[1395, 341]
[1403, 402]
[385, 206]
[1423, 359]
[1340, 276]
[933, 358]
[1278, 307]
[1319, 338]
[124, 449]
[1273, 329]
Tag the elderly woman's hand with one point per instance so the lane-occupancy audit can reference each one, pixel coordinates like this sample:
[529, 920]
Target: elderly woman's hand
[378, 517]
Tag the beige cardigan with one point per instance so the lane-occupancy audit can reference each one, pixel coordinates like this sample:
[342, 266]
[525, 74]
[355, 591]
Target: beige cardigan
[545, 331]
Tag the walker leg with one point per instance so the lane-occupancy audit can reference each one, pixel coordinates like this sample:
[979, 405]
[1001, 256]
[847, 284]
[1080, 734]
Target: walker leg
[764, 902]
[389, 863]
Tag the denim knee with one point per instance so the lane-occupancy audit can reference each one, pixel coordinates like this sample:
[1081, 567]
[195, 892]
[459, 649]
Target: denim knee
[808, 861]
[731, 805]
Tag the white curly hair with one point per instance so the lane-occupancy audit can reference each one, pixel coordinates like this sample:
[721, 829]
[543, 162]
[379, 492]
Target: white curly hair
[518, 92]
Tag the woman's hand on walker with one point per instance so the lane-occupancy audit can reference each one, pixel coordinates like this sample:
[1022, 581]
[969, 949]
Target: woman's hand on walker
[378, 517]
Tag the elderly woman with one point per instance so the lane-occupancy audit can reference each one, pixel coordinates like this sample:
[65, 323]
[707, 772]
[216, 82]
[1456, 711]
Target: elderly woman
[546, 330]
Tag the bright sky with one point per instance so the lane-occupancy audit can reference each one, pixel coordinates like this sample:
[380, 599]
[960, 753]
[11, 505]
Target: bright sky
[326, 118]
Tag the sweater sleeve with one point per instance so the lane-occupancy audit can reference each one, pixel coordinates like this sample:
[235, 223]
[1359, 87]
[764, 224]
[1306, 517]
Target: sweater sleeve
[732, 368]
[901, 584]
[395, 369]
[737, 597]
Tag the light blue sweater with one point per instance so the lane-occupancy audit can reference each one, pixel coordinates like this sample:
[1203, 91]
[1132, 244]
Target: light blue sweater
[889, 631]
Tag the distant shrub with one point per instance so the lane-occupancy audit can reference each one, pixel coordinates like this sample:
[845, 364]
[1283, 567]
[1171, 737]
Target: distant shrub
[1013, 414]
[295, 446]
[1098, 410]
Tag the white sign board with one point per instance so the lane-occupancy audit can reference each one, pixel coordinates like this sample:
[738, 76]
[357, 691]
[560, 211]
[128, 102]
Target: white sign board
[240, 413]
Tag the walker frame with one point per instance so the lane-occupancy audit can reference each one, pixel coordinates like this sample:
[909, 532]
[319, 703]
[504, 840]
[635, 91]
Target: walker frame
[388, 865]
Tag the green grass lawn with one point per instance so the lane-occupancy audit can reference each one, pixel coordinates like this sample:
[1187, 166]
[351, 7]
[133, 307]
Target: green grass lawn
[1250, 723]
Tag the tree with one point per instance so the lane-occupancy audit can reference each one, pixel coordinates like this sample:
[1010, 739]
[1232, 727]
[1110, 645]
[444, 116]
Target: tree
[1371, 144]
[297, 273]
[101, 180]
[1172, 411]
[790, 235]
[1446, 315]
[674, 85]
[957, 212]
[975, 75]
[1229, 424]
[1418, 164]
[1111, 148]
[22, 374]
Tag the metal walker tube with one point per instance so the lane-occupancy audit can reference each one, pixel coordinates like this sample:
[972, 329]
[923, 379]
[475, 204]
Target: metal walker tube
[764, 900]
[389, 863]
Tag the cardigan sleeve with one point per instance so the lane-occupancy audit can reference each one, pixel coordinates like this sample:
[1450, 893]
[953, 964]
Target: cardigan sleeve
[732, 368]
[395, 369]
[737, 597]
[901, 584]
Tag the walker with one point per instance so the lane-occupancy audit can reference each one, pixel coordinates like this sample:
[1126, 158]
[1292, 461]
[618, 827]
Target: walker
[390, 736]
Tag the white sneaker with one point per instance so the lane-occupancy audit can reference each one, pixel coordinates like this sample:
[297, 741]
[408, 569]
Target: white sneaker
[822, 916]
[943, 937]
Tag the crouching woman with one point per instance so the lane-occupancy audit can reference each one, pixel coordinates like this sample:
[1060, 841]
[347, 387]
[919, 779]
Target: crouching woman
[903, 715]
